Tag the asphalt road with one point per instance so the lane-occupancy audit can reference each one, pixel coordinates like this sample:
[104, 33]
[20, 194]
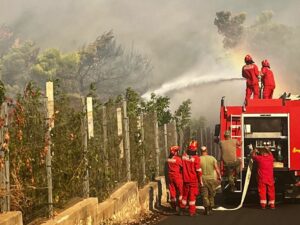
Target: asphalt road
[250, 214]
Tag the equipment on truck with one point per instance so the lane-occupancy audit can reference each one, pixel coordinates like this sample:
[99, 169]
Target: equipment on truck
[271, 122]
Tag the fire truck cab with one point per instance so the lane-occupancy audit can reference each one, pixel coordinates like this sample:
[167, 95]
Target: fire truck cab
[275, 122]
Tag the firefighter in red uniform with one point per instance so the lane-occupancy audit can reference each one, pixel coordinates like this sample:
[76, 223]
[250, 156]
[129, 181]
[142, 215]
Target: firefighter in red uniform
[175, 176]
[251, 73]
[265, 176]
[267, 80]
[192, 175]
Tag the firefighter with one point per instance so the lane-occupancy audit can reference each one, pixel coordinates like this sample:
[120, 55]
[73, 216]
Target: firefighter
[191, 177]
[251, 73]
[209, 166]
[267, 80]
[175, 176]
[232, 164]
[265, 176]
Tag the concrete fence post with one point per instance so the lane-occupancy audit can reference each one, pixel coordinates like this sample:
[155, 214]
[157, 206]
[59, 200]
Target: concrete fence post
[156, 144]
[143, 148]
[166, 140]
[50, 124]
[4, 164]
[126, 141]
[84, 131]
[105, 139]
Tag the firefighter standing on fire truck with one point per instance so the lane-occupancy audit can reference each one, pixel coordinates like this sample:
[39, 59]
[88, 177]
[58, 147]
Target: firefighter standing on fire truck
[267, 80]
[265, 176]
[251, 73]
[175, 176]
[192, 175]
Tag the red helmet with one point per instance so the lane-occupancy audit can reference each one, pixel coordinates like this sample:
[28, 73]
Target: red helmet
[248, 59]
[193, 146]
[174, 149]
[265, 63]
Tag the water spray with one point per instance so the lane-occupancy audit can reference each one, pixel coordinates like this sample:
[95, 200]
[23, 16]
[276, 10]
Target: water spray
[186, 81]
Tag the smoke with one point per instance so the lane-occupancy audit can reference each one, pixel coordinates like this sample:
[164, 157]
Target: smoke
[178, 36]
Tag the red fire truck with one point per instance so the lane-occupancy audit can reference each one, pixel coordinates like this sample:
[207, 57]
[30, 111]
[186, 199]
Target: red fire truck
[261, 121]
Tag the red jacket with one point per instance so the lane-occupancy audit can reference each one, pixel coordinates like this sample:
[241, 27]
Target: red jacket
[264, 168]
[268, 77]
[250, 72]
[191, 168]
[174, 167]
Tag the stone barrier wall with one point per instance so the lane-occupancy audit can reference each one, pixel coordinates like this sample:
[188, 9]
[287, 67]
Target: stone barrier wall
[123, 206]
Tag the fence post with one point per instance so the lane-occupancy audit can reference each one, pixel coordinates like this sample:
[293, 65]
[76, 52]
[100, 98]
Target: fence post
[49, 124]
[126, 141]
[4, 154]
[156, 144]
[105, 141]
[120, 132]
[7, 173]
[143, 148]
[85, 149]
[175, 133]
[166, 140]
[49, 105]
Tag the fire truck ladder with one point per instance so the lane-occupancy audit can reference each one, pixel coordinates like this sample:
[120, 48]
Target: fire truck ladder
[235, 132]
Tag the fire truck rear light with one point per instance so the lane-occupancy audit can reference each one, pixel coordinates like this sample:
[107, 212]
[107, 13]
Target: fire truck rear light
[297, 173]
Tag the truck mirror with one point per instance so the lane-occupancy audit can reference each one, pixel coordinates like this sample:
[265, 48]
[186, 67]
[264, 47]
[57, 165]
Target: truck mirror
[217, 133]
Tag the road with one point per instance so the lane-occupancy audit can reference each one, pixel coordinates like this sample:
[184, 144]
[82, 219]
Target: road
[250, 214]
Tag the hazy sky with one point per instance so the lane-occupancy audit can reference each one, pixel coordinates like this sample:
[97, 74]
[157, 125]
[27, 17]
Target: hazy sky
[177, 35]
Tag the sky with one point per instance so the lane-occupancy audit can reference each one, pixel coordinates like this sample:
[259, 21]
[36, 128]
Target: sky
[177, 35]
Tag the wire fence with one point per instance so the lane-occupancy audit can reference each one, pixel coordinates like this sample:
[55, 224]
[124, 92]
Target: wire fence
[43, 169]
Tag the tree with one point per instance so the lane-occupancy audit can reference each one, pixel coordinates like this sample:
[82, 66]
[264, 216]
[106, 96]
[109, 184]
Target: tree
[161, 105]
[15, 65]
[230, 26]
[183, 117]
[52, 64]
[183, 114]
[6, 39]
[110, 67]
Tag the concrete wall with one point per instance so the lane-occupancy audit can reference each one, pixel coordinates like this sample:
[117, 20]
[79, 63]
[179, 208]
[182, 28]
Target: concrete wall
[11, 218]
[128, 203]
[123, 206]
[84, 212]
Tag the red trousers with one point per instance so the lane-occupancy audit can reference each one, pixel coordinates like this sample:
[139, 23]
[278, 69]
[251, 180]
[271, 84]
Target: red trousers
[268, 92]
[190, 192]
[175, 187]
[252, 89]
[263, 190]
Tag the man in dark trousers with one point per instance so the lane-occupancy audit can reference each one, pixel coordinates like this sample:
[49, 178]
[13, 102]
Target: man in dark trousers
[209, 167]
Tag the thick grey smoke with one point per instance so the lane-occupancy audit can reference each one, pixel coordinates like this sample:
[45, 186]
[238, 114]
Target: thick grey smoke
[179, 36]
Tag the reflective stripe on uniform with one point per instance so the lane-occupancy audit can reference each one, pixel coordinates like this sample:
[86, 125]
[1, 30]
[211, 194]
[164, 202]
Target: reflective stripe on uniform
[263, 201]
[186, 158]
[199, 170]
[192, 202]
[180, 197]
[171, 160]
[183, 202]
[271, 202]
